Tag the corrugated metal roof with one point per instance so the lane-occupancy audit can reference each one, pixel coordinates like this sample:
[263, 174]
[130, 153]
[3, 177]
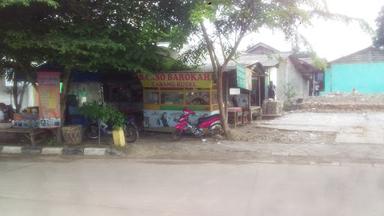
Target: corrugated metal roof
[306, 69]
[262, 48]
[265, 60]
[370, 54]
[251, 59]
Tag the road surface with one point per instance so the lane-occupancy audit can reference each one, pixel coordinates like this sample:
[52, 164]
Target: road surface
[111, 187]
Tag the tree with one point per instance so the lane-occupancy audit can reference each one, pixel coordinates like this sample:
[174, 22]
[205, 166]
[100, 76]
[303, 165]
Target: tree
[230, 21]
[379, 39]
[18, 88]
[92, 35]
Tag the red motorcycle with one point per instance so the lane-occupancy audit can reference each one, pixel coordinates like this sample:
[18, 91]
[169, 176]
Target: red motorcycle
[209, 125]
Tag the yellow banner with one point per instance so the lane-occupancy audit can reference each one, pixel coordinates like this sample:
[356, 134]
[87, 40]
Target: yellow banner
[177, 80]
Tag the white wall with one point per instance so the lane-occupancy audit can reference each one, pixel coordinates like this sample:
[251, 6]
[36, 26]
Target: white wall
[4, 96]
[288, 76]
[282, 80]
[273, 75]
[7, 98]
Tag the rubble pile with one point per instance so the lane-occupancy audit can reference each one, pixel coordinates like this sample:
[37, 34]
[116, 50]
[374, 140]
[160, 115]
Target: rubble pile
[344, 102]
[271, 107]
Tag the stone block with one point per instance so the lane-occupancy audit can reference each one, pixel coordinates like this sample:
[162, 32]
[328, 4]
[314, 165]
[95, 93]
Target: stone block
[52, 151]
[95, 151]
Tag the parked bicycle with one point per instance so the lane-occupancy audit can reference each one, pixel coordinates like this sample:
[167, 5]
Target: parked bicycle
[105, 118]
[97, 127]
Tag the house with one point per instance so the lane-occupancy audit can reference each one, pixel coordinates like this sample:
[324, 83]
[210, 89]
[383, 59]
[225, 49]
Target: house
[291, 73]
[362, 71]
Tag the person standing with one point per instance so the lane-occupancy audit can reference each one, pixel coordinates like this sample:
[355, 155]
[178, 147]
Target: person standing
[317, 88]
[271, 90]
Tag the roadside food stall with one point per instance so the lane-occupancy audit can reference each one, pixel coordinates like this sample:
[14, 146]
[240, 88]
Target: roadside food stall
[237, 91]
[166, 94]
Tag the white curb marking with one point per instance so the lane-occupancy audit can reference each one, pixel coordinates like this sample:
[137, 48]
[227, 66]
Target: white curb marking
[11, 149]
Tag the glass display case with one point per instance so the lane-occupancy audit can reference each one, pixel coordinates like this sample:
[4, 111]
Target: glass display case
[151, 97]
[197, 98]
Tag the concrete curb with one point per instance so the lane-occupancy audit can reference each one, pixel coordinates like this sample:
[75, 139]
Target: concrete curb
[52, 150]
[57, 151]
[95, 151]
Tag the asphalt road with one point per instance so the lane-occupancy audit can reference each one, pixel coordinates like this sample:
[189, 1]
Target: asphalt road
[182, 188]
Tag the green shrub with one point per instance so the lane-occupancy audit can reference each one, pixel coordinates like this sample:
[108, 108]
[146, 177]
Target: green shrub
[105, 113]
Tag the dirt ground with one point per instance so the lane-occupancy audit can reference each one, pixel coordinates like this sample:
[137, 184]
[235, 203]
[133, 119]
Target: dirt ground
[301, 137]
[158, 145]
[249, 133]
[253, 136]
[253, 133]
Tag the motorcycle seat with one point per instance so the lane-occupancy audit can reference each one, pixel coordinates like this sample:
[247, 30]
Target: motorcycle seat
[202, 119]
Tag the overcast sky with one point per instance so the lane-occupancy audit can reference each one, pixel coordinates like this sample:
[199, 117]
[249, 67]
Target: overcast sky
[330, 39]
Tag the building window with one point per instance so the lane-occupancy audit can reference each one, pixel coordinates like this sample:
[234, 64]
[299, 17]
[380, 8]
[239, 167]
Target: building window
[171, 98]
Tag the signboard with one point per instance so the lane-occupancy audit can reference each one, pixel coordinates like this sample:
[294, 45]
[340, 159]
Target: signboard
[243, 77]
[49, 99]
[234, 91]
[176, 80]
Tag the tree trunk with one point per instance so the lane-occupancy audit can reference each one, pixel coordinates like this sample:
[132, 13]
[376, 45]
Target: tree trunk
[18, 95]
[64, 93]
[14, 93]
[21, 96]
[222, 102]
[63, 102]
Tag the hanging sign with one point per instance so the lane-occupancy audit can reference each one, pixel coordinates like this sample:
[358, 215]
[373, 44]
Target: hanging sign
[176, 80]
[234, 91]
[243, 77]
[49, 99]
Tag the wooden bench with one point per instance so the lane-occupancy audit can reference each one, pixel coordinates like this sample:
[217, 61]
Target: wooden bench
[29, 133]
[235, 116]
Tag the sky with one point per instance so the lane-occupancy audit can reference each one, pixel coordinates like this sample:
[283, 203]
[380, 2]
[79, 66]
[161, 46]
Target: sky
[330, 39]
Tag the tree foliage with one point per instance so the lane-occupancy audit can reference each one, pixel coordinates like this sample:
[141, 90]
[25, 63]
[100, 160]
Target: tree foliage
[379, 39]
[90, 35]
[6, 3]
